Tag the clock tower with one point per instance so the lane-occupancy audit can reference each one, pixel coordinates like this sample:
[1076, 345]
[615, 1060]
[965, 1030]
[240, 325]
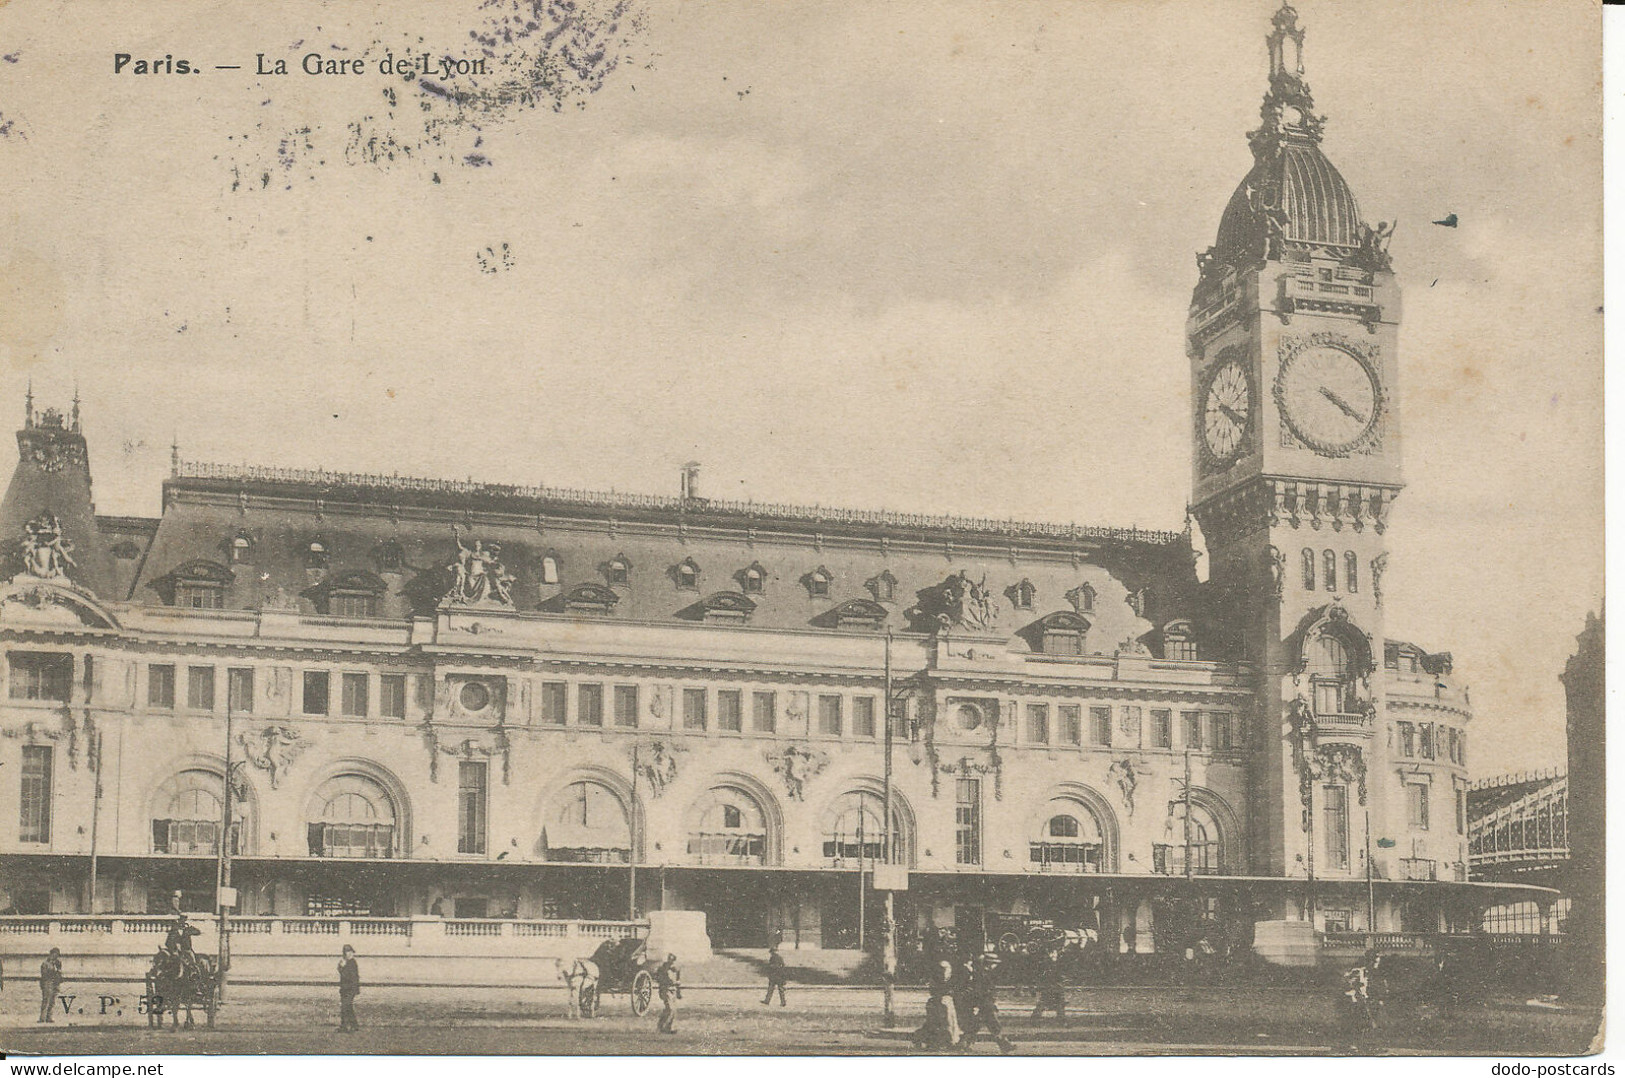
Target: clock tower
[1292, 338]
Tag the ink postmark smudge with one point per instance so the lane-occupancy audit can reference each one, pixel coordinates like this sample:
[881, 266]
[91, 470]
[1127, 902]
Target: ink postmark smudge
[434, 107]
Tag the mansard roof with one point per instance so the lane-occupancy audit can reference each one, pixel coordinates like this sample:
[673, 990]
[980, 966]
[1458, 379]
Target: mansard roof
[282, 512]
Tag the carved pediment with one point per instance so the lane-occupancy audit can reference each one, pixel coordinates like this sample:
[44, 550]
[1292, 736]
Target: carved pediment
[31, 603]
[586, 598]
[853, 614]
[725, 606]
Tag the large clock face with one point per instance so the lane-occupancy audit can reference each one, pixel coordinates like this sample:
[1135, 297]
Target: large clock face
[1329, 398]
[1226, 410]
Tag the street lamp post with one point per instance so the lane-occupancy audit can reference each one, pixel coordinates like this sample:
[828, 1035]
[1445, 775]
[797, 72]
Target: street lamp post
[888, 946]
[223, 860]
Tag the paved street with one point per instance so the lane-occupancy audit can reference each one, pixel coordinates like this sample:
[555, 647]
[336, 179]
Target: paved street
[1102, 1021]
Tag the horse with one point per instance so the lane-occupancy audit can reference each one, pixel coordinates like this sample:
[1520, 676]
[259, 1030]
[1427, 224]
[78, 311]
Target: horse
[580, 977]
[176, 980]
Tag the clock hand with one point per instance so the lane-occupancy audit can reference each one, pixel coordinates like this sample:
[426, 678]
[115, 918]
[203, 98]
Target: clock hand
[1235, 417]
[1342, 404]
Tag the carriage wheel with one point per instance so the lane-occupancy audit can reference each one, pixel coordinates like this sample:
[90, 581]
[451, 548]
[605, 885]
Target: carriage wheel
[1009, 944]
[643, 992]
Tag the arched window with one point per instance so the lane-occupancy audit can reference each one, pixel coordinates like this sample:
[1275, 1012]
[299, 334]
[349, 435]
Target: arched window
[389, 557]
[753, 579]
[1082, 598]
[818, 582]
[883, 587]
[351, 816]
[1308, 569]
[1331, 673]
[587, 824]
[1023, 594]
[687, 573]
[618, 570]
[550, 569]
[1351, 572]
[852, 830]
[1329, 561]
[316, 555]
[729, 829]
[1200, 844]
[242, 550]
[187, 814]
[1068, 839]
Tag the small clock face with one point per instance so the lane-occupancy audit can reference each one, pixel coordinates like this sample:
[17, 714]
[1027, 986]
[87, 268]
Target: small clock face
[1226, 412]
[1330, 398]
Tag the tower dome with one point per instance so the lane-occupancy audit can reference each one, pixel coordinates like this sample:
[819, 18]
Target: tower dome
[1293, 194]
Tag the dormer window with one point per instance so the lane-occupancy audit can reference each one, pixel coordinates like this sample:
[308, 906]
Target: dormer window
[1061, 634]
[242, 550]
[865, 614]
[687, 574]
[199, 585]
[550, 568]
[753, 579]
[351, 595]
[590, 598]
[818, 582]
[316, 555]
[1022, 595]
[883, 587]
[618, 570]
[725, 607]
[1178, 641]
[1082, 598]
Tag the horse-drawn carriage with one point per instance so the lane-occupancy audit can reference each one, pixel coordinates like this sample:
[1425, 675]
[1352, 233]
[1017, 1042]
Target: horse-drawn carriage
[623, 968]
[181, 979]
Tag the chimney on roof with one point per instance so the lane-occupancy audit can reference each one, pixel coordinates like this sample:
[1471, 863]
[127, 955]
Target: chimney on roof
[691, 480]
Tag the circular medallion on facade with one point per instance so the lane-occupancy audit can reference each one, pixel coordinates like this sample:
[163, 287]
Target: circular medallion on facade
[969, 716]
[474, 696]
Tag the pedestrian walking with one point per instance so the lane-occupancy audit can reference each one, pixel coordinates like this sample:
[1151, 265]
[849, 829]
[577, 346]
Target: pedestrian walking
[1051, 986]
[979, 1004]
[349, 988]
[777, 976]
[941, 1028]
[50, 983]
[669, 980]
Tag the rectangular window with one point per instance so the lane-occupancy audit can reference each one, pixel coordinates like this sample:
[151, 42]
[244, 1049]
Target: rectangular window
[240, 690]
[355, 606]
[353, 695]
[899, 719]
[863, 716]
[589, 704]
[1416, 797]
[968, 821]
[315, 692]
[471, 806]
[1038, 724]
[1129, 728]
[1071, 716]
[35, 825]
[40, 676]
[1461, 811]
[763, 712]
[161, 686]
[730, 710]
[555, 702]
[694, 717]
[1426, 741]
[1192, 722]
[1223, 734]
[829, 716]
[626, 705]
[1100, 726]
[1162, 728]
[1407, 739]
[200, 688]
[392, 696]
[1335, 802]
[200, 596]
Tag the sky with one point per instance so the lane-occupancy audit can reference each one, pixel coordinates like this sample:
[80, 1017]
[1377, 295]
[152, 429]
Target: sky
[923, 256]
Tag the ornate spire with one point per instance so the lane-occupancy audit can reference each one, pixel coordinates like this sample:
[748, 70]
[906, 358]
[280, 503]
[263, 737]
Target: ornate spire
[73, 423]
[28, 405]
[1288, 111]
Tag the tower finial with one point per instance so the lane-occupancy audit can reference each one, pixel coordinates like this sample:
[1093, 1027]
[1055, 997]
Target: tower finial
[74, 421]
[174, 454]
[28, 404]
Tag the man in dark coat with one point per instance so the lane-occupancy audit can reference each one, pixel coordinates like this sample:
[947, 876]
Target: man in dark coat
[349, 988]
[1051, 986]
[669, 979]
[979, 1006]
[50, 983]
[777, 976]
